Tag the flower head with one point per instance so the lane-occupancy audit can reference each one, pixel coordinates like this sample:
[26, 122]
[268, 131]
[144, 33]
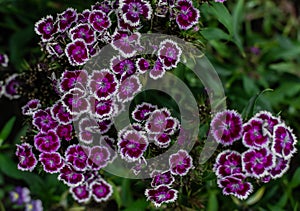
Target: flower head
[34, 205]
[47, 142]
[27, 160]
[78, 156]
[188, 15]
[99, 157]
[81, 193]
[99, 20]
[161, 178]
[101, 190]
[128, 88]
[3, 60]
[20, 195]
[180, 163]
[66, 19]
[161, 194]
[31, 107]
[228, 163]
[77, 52]
[226, 127]
[52, 162]
[46, 27]
[70, 176]
[169, 54]
[85, 32]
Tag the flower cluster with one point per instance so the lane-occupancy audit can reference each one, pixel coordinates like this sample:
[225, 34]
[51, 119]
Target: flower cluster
[21, 197]
[269, 144]
[76, 37]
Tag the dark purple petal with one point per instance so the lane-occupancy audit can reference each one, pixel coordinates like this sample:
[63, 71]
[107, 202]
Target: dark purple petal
[47, 142]
[187, 16]
[77, 52]
[27, 160]
[81, 193]
[46, 27]
[66, 19]
[101, 190]
[161, 178]
[99, 20]
[69, 176]
[161, 194]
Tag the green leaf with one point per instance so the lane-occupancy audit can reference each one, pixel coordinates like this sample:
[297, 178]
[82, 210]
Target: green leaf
[214, 34]
[249, 85]
[116, 194]
[295, 182]
[248, 110]
[256, 197]
[212, 201]
[137, 205]
[237, 17]
[223, 16]
[6, 130]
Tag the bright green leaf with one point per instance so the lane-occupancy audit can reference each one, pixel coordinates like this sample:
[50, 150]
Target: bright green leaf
[6, 130]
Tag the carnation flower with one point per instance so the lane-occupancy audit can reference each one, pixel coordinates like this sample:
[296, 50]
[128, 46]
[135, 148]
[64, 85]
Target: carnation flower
[180, 163]
[64, 132]
[133, 9]
[85, 32]
[169, 54]
[254, 135]
[52, 162]
[73, 78]
[77, 52]
[126, 43]
[284, 141]
[66, 19]
[31, 107]
[131, 145]
[226, 127]
[103, 84]
[122, 67]
[157, 122]
[142, 65]
[11, 87]
[99, 157]
[81, 193]
[43, 120]
[101, 190]
[161, 194]
[161, 178]
[128, 88]
[60, 113]
[236, 185]
[99, 20]
[27, 160]
[256, 163]
[228, 163]
[101, 108]
[76, 102]
[70, 176]
[46, 27]
[187, 15]
[281, 166]
[269, 121]
[47, 142]
[158, 70]
[143, 111]
[78, 156]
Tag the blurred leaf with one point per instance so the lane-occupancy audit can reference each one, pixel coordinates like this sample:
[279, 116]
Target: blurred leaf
[222, 14]
[248, 110]
[137, 205]
[116, 194]
[6, 130]
[282, 201]
[256, 197]
[214, 34]
[126, 194]
[237, 19]
[295, 182]
[287, 67]
[212, 201]
[249, 85]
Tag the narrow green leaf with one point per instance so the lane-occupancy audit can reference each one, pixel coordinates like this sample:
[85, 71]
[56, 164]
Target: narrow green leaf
[223, 16]
[295, 182]
[256, 197]
[237, 17]
[6, 130]
[212, 202]
[214, 34]
[248, 110]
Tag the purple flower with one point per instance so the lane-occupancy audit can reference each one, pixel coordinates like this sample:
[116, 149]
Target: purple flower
[142, 65]
[60, 113]
[104, 125]
[257, 162]
[99, 157]
[158, 70]
[81, 193]
[46, 27]
[226, 127]
[162, 140]
[34, 205]
[157, 122]
[52, 162]
[55, 49]
[27, 160]
[47, 142]
[70, 176]
[87, 129]
[103, 84]
[123, 26]
[132, 144]
[83, 17]
[269, 121]
[254, 135]
[101, 108]
[109, 143]
[220, 1]
[161, 194]
[283, 141]
[126, 43]
[20, 195]
[169, 54]
[83, 31]
[101, 190]
[105, 6]
[65, 132]
[66, 18]
[281, 166]
[143, 111]
[128, 88]
[235, 185]
[133, 9]
[253, 50]
[180, 163]
[228, 163]
[11, 87]
[99, 20]
[71, 79]
[187, 15]
[122, 67]
[78, 156]
[161, 178]
[31, 107]
[77, 52]
[3, 60]
[76, 102]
